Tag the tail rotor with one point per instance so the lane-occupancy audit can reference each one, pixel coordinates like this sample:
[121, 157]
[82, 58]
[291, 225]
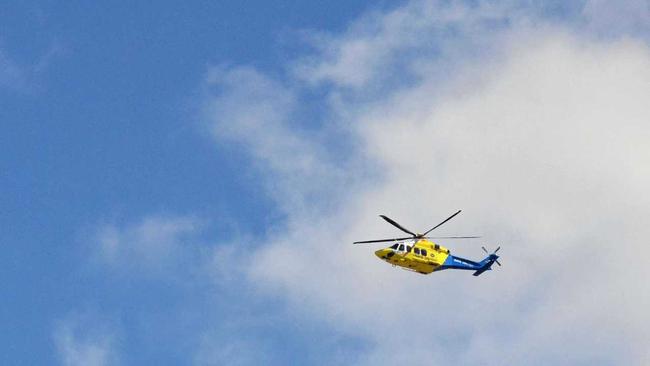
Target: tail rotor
[493, 254]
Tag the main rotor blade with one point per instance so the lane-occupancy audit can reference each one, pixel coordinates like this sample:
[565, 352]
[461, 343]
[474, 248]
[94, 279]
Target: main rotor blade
[449, 218]
[379, 240]
[450, 237]
[390, 221]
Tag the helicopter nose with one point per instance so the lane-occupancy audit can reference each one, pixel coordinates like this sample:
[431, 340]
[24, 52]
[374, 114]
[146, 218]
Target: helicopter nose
[383, 253]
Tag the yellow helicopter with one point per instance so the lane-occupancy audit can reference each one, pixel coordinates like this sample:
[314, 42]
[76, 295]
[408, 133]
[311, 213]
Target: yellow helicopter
[417, 253]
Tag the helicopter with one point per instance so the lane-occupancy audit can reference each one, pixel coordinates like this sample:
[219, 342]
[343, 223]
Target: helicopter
[417, 253]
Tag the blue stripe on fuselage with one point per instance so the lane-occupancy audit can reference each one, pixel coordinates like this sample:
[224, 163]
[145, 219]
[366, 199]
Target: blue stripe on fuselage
[459, 263]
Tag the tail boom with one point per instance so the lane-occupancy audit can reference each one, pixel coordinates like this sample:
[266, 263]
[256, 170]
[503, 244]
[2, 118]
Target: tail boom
[453, 262]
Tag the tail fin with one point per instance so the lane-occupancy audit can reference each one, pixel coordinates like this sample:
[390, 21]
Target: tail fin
[486, 264]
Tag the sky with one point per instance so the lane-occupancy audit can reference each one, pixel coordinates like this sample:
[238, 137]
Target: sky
[181, 183]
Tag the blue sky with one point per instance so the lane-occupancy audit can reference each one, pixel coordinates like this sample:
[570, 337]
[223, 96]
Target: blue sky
[100, 123]
[180, 183]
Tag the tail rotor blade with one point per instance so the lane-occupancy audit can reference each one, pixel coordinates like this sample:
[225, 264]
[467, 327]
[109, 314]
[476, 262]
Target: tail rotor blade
[485, 250]
[497, 250]
[498, 262]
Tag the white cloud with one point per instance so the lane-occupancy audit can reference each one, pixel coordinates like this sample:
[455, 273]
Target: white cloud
[384, 49]
[541, 138]
[618, 17]
[229, 351]
[79, 342]
[152, 244]
[255, 111]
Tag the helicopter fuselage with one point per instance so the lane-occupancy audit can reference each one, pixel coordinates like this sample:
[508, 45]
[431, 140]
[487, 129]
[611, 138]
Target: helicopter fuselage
[424, 256]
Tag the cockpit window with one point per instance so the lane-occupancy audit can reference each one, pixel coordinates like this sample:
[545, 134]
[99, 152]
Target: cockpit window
[423, 252]
[401, 247]
[394, 246]
[416, 251]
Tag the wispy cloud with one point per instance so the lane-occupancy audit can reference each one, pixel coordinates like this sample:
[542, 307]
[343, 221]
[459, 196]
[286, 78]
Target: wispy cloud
[376, 46]
[152, 244]
[257, 112]
[618, 18]
[12, 76]
[81, 342]
[540, 137]
[229, 351]
[24, 77]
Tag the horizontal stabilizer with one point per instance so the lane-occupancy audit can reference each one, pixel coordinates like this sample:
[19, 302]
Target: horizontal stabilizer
[486, 264]
[478, 273]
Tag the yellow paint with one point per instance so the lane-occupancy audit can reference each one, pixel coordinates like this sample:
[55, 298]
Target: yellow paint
[436, 256]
